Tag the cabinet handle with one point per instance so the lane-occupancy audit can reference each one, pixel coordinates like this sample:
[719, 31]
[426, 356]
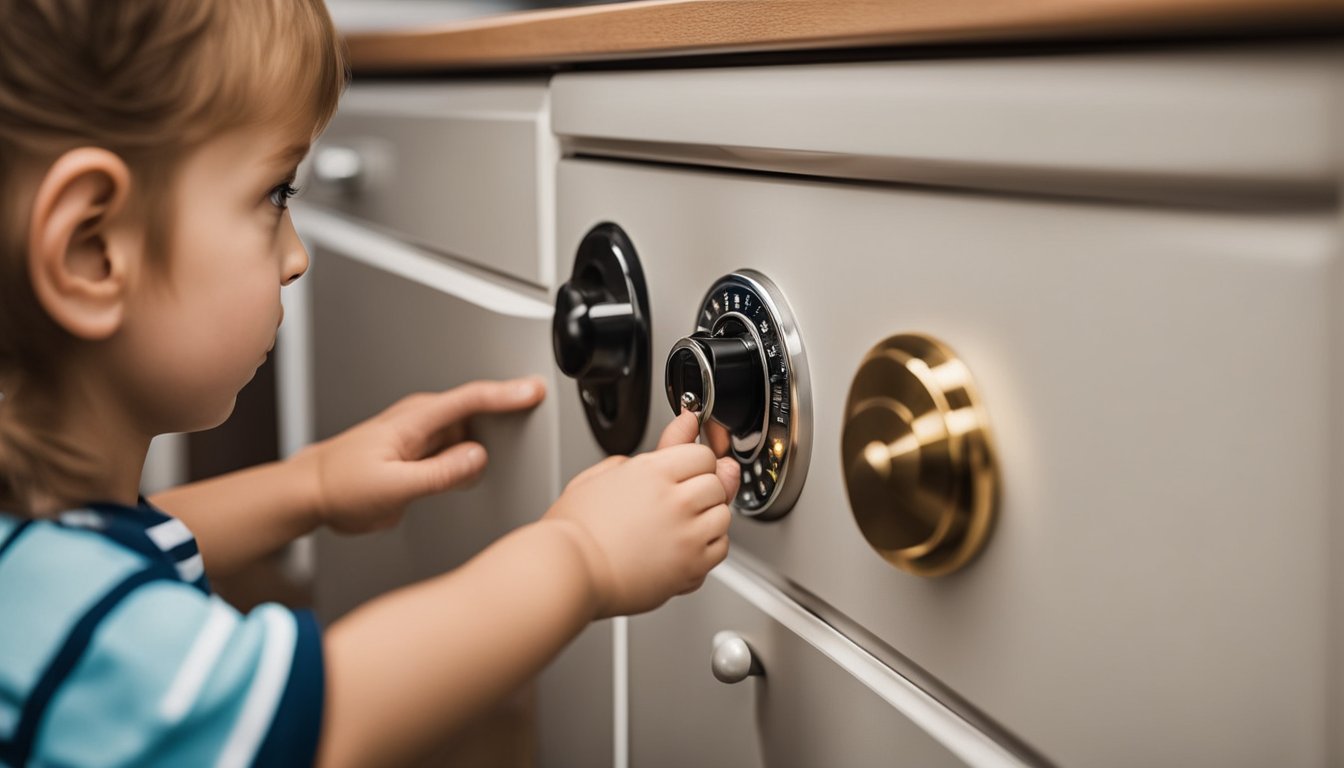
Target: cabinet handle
[733, 660]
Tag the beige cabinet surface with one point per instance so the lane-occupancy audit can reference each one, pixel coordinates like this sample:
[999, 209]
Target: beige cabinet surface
[802, 709]
[463, 169]
[1157, 382]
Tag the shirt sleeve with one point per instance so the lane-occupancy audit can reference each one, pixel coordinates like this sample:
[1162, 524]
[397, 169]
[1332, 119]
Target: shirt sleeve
[174, 677]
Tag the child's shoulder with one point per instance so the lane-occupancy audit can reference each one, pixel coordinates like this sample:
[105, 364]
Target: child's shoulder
[149, 667]
[56, 574]
[60, 577]
[51, 562]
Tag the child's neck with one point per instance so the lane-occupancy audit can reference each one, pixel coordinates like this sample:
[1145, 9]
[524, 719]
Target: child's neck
[111, 448]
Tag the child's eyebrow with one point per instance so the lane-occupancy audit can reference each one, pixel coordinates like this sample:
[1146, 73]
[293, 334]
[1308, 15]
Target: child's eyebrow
[290, 155]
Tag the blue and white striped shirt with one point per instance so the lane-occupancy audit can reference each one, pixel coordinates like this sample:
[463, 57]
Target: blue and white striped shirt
[113, 651]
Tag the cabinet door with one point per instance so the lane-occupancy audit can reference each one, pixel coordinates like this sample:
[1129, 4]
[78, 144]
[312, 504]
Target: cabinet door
[804, 710]
[379, 336]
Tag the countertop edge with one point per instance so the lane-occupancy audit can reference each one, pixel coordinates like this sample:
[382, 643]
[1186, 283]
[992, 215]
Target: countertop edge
[663, 28]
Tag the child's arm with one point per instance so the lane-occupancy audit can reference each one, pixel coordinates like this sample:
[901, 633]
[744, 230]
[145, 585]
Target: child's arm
[407, 668]
[359, 480]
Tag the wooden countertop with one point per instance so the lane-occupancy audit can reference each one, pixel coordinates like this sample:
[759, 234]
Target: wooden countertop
[660, 28]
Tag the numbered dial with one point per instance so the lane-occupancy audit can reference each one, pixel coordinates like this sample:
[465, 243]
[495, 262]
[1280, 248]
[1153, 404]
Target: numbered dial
[744, 372]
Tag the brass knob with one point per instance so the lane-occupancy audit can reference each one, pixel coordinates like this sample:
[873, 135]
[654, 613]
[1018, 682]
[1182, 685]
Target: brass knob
[919, 467]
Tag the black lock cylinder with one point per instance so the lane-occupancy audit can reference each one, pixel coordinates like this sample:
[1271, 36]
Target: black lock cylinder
[724, 377]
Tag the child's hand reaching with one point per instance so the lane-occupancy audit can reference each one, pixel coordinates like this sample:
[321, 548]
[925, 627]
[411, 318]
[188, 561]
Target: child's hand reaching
[365, 476]
[626, 535]
[651, 526]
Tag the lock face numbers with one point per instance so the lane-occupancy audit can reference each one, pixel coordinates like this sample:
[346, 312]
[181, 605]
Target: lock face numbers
[745, 368]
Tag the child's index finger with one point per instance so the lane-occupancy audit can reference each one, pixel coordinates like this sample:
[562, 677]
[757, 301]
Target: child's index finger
[432, 413]
[683, 429]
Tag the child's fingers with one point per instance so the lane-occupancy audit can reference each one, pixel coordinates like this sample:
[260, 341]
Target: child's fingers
[701, 492]
[712, 524]
[432, 413]
[716, 437]
[682, 429]
[730, 476]
[716, 552]
[452, 468]
[450, 435]
[681, 462]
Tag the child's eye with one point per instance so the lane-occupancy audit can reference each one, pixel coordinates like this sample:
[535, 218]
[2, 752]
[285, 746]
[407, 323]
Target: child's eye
[281, 193]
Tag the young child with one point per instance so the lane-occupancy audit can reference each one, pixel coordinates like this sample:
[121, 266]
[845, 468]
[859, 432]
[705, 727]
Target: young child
[147, 151]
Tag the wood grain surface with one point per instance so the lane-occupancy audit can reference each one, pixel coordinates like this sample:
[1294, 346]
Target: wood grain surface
[659, 28]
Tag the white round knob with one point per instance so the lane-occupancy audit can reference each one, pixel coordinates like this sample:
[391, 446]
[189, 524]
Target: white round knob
[732, 660]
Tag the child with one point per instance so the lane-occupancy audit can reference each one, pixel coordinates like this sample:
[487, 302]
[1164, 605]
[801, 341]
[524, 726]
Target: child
[147, 151]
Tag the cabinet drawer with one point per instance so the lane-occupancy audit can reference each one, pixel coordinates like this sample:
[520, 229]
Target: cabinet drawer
[464, 169]
[1158, 385]
[803, 710]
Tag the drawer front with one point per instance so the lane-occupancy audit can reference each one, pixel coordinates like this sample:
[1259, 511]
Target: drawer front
[1157, 386]
[1230, 123]
[804, 710]
[463, 169]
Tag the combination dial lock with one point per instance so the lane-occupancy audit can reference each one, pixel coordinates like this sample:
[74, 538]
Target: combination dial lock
[743, 371]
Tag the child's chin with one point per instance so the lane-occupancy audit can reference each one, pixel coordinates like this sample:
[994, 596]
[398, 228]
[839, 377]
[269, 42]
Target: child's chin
[216, 417]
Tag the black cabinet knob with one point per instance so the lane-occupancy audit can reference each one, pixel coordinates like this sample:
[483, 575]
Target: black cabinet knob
[600, 335]
[592, 333]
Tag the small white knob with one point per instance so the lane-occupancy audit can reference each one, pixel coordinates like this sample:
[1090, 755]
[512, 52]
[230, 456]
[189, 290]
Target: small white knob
[732, 660]
[338, 166]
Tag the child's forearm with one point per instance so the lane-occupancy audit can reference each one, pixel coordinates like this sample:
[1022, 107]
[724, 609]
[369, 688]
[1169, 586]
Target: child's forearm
[242, 516]
[407, 668]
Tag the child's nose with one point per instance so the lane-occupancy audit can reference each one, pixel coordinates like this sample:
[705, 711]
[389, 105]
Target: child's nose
[296, 256]
[296, 263]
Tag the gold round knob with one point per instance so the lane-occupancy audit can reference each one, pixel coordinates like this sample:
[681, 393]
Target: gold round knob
[918, 464]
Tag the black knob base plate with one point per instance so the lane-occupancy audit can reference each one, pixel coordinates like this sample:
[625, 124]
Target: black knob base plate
[601, 337]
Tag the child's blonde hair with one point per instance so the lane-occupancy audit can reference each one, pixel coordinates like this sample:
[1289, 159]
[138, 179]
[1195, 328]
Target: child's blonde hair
[149, 80]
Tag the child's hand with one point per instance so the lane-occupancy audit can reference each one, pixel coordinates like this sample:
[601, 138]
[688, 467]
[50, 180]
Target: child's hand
[651, 526]
[365, 476]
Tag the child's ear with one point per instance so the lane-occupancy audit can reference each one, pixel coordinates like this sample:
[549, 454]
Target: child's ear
[78, 272]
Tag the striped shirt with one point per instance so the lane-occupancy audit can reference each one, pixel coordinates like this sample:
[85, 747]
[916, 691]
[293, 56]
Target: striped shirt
[113, 651]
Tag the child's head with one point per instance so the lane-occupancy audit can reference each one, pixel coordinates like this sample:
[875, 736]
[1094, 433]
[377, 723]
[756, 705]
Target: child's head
[146, 151]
